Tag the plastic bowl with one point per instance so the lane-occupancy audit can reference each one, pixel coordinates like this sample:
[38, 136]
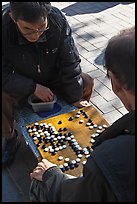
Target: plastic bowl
[39, 106]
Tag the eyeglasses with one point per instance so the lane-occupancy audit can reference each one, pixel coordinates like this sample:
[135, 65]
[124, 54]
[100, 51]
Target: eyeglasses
[34, 32]
[31, 33]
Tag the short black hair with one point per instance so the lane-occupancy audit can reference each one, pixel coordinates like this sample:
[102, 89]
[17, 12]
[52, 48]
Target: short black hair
[30, 11]
[119, 58]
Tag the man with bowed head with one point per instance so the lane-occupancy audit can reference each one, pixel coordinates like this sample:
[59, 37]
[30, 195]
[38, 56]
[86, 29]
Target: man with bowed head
[39, 57]
[109, 173]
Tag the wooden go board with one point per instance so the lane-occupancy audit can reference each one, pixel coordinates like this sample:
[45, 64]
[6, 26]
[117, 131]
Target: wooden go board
[67, 139]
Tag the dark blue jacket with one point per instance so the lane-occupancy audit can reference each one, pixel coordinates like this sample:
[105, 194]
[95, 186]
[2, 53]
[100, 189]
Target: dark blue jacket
[55, 53]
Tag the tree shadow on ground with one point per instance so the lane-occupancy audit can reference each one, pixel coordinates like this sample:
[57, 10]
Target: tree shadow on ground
[89, 7]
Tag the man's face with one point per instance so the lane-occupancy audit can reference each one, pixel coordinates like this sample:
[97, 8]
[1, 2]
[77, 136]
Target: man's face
[32, 31]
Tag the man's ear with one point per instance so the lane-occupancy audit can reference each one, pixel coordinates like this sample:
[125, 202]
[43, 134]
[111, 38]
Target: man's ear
[10, 14]
[116, 86]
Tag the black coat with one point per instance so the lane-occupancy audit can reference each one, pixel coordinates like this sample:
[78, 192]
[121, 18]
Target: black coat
[108, 175]
[55, 53]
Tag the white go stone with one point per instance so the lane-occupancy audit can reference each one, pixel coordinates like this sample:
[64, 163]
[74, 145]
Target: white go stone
[98, 131]
[61, 166]
[84, 162]
[92, 140]
[66, 159]
[38, 135]
[65, 164]
[77, 159]
[87, 156]
[91, 127]
[105, 126]
[60, 158]
[64, 146]
[36, 124]
[88, 124]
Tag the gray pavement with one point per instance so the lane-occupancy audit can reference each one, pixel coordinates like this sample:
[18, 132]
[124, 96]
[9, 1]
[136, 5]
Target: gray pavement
[93, 24]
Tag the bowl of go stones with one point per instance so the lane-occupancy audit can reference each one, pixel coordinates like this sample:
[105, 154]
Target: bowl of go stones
[41, 106]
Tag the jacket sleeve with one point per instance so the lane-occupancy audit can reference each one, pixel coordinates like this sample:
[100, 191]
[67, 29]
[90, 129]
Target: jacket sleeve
[13, 82]
[69, 62]
[59, 187]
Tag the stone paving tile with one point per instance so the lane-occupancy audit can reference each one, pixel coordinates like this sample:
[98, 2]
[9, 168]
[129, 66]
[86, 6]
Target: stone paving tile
[112, 116]
[105, 81]
[123, 110]
[95, 93]
[103, 91]
[117, 103]
[103, 105]
[96, 73]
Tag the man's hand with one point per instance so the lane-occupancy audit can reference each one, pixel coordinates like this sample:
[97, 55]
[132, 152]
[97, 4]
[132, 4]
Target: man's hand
[40, 169]
[44, 93]
[81, 103]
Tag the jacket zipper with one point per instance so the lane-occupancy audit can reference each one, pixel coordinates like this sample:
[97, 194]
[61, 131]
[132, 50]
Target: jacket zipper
[38, 65]
[39, 70]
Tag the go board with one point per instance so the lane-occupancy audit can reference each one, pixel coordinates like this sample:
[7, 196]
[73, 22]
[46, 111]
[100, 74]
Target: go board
[67, 139]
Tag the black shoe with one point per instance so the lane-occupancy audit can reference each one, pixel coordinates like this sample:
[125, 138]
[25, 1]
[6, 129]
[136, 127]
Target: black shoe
[9, 149]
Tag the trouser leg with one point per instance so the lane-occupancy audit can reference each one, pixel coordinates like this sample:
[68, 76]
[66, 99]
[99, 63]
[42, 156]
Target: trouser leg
[88, 86]
[8, 103]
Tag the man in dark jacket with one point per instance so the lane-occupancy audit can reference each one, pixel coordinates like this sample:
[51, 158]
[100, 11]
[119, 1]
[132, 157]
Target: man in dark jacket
[38, 57]
[109, 173]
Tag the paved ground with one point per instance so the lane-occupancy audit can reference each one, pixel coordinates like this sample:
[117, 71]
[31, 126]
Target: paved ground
[93, 24]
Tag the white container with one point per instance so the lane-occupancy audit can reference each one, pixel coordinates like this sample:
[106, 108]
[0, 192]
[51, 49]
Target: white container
[39, 106]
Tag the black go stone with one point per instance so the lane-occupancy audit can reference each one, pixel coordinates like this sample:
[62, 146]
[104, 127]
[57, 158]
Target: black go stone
[53, 153]
[66, 168]
[43, 146]
[70, 133]
[60, 130]
[60, 122]
[78, 152]
[72, 166]
[81, 151]
[70, 119]
[46, 140]
[38, 144]
[65, 129]
[69, 163]
[63, 169]
[58, 144]
[40, 141]
[76, 165]
[89, 120]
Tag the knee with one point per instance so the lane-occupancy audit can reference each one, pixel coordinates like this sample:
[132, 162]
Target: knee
[88, 81]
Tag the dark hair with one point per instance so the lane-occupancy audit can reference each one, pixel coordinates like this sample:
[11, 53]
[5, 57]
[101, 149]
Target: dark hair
[119, 58]
[30, 11]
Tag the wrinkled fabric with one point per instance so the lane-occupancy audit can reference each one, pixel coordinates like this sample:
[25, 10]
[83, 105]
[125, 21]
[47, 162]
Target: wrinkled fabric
[54, 55]
[108, 175]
